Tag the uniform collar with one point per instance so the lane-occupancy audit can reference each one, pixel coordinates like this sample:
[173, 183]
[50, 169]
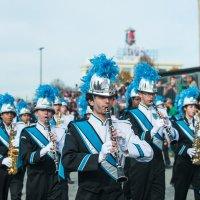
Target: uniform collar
[41, 126]
[95, 119]
[145, 106]
[7, 127]
[189, 121]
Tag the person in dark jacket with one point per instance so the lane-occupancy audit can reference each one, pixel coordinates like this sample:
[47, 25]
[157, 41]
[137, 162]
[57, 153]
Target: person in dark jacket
[185, 172]
[146, 180]
[40, 148]
[89, 148]
[9, 140]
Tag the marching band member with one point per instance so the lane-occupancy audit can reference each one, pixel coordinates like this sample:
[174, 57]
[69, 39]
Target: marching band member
[89, 148]
[60, 119]
[147, 180]
[133, 102]
[64, 111]
[14, 181]
[23, 120]
[184, 171]
[40, 146]
[24, 117]
[134, 99]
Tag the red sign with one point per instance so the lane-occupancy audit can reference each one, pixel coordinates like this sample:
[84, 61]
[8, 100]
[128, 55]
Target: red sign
[130, 36]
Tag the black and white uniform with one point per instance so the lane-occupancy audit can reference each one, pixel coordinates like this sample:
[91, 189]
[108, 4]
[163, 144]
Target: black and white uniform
[184, 172]
[16, 185]
[81, 153]
[146, 180]
[12, 182]
[42, 178]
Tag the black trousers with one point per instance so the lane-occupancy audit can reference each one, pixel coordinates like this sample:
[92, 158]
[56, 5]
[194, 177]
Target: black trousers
[16, 185]
[83, 194]
[14, 182]
[43, 186]
[64, 188]
[185, 173]
[4, 184]
[166, 155]
[146, 180]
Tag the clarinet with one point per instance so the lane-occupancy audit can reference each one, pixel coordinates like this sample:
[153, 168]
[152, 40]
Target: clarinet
[55, 155]
[169, 134]
[120, 171]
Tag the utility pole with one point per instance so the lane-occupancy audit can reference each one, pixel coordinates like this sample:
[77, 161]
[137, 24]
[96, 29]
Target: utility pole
[40, 49]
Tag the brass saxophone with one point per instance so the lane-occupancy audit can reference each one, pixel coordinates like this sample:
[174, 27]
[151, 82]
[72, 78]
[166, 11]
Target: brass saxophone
[59, 121]
[13, 152]
[196, 142]
[119, 159]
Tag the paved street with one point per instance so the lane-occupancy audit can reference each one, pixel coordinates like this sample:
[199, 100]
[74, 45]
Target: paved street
[169, 188]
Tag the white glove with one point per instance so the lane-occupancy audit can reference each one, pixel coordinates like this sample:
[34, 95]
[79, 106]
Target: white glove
[105, 149]
[46, 149]
[121, 141]
[191, 152]
[7, 161]
[157, 127]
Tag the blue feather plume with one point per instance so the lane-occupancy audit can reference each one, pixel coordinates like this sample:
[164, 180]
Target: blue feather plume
[64, 101]
[189, 92]
[159, 98]
[20, 105]
[141, 70]
[56, 91]
[45, 91]
[6, 99]
[101, 66]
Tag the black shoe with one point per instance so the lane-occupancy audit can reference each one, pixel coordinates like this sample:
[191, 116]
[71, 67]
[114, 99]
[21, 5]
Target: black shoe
[168, 166]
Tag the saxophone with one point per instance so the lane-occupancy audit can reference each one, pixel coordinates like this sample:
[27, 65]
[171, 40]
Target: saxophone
[59, 121]
[196, 142]
[13, 152]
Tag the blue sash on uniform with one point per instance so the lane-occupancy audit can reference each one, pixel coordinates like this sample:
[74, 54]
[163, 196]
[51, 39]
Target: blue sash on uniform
[4, 137]
[146, 126]
[186, 129]
[85, 128]
[39, 138]
[61, 170]
[141, 119]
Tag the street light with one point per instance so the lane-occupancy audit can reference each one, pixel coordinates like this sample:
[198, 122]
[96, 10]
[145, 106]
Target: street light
[40, 49]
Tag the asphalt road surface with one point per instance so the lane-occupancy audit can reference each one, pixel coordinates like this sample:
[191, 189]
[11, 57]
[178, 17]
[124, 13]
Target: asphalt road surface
[169, 189]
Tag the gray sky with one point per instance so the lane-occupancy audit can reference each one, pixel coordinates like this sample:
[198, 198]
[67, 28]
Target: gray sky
[72, 31]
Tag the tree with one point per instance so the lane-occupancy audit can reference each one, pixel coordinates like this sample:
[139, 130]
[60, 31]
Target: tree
[124, 77]
[59, 84]
[146, 58]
